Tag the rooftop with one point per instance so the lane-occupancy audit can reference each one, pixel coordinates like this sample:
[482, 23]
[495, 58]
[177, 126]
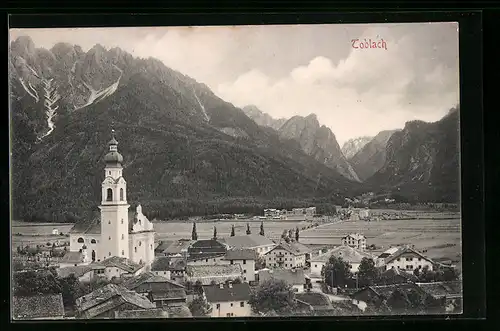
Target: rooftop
[402, 250]
[142, 313]
[161, 263]
[108, 292]
[72, 257]
[148, 277]
[347, 254]
[248, 241]
[178, 312]
[291, 276]
[294, 248]
[204, 256]
[197, 271]
[241, 254]
[177, 247]
[234, 292]
[393, 272]
[442, 289]
[78, 271]
[355, 236]
[122, 263]
[37, 306]
[207, 246]
[386, 291]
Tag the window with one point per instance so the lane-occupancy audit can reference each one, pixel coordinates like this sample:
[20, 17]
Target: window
[164, 272]
[231, 304]
[109, 222]
[232, 262]
[121, 194]
[228, 315]
[286, 265]
[140, 243]
[206, 260]
[275, 264]
[245, 271]
[109, 195]
[109, 173]
[242, 304]
[80, 240]
[123, 236]
[93, 241]
[123, 252]
[419, 259]
[109, 238]
[122, 221]
[244, 278]
[109, 254]
[244, 261]
[217, 306]
[399, 259]
[315, 265]
[135, 249]
[151, 246]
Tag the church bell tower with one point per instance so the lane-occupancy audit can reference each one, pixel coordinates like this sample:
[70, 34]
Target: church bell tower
[114, 206]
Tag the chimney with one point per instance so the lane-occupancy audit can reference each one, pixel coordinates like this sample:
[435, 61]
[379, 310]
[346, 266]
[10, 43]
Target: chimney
[221, 285]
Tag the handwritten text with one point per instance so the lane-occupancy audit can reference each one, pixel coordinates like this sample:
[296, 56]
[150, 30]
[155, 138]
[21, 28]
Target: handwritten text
[368, 43]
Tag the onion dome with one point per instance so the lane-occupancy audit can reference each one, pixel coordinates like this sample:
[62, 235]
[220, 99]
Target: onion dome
[113, 157]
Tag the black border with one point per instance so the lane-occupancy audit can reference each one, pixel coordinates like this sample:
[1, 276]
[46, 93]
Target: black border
[471, 137]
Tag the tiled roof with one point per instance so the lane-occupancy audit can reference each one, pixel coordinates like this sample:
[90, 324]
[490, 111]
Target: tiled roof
[177, 247]
[442, 289]
[248, 241]
[107, 293]
[143, 313]
[198, 271]
[347, 254]
[206, 246]
[78, 271]
[163, 246]
[161, 263]
[122, 263]
[401, 250]
[237, 292]
[315, 299]
[386, 291]
[37, 306]
[148, 277]
[170, 294]
[178, 312]
[204, 256]
[241, 254]
[72, 257]
[393, 272]
[178, 265]
[294, 248]
[291, 276]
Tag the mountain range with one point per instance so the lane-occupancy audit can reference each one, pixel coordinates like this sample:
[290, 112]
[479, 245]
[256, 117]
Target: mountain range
[182, 144]
[354, 145]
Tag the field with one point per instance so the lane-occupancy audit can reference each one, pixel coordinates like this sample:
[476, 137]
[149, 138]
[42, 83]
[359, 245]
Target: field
[25, 233]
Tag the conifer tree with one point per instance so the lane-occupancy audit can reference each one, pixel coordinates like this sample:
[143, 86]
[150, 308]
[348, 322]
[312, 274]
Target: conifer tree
[215, 233]
[194, 235]
[297, 234]
[232, 231]
[262, 228]
[248, 229]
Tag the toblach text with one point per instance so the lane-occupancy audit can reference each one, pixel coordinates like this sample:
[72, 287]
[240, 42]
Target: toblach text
[368, 43]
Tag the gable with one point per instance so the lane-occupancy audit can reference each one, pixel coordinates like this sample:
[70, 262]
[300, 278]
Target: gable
[108, 181]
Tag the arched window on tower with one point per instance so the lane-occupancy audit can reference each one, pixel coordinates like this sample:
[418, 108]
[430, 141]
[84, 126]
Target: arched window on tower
[80, 240]
[109, 195]
[121, 194]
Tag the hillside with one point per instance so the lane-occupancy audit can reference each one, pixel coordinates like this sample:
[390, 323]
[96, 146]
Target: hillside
[369, 159]
[182, 144]
[422, 162]
[352, 146]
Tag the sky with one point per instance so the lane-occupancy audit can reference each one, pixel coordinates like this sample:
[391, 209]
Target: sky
[288, 70]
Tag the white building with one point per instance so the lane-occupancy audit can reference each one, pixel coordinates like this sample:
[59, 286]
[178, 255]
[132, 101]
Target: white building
[404, 258]
[116, 231]
[260, 244]
[246, 259]
[287, 255]
[229, 300]
[355, 240]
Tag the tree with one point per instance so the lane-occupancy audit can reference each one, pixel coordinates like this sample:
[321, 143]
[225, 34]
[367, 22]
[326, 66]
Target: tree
[284, 235]
[290, 234]
[261, 228]
[248, 229]
[297, 234]
[237, 281]
[260, 263]
[199, 307]
[232, 230]
[273, 296]
[198, 287]
[194, 235]
[215, 233]
[368, 274]
[337, 272]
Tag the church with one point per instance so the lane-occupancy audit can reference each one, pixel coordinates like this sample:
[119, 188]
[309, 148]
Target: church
[118, 231]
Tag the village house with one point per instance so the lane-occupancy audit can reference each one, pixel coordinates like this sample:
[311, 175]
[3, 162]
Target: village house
[105, 301]
[73, 259]
[347, 253]
[260, 244]
[159, 290]
[200, 249]
[228, 300]
[177, 248]
[84, 273]
[374, 295]
[217, 273]
[403, 258]
[287, 255]
[178, 270]
[294, 277]
[162, 266]
[206, 259]
[354, 240]
[117, 267]
[396, 276]
[246, 259]
[271, 213]
[38, 307]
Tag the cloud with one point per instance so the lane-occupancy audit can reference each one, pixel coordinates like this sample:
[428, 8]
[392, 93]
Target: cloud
[368, 91]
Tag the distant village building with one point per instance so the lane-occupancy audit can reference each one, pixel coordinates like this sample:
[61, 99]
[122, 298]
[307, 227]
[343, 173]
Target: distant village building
[207, 274]
[162, 266]
[117, 231]
[38, 307]
[55, 231]
[228, 300]
[271, 213]
[403, 258]
[121, 267]
[354, 240]
[105, 301]
[348, 254]
[84, 273]
[287, 255]
[177, 248]
[203, 249]
[260, 244]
